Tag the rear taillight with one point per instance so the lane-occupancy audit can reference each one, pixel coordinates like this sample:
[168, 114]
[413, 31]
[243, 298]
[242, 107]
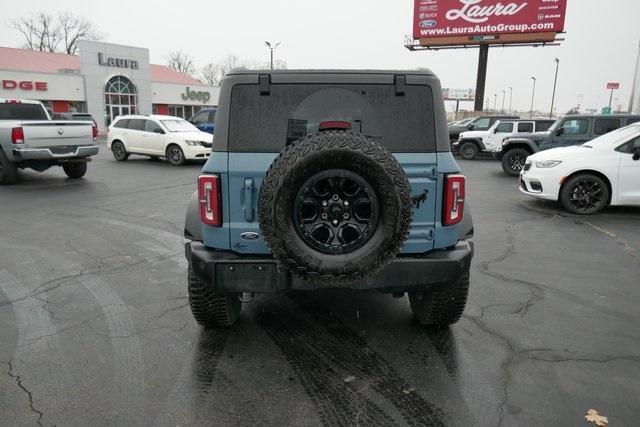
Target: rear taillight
[334, 125]
[210, 199]
[94, 132]
[453, 205]
[17, 136]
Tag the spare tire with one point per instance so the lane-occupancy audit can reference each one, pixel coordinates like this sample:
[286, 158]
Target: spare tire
[335, 206]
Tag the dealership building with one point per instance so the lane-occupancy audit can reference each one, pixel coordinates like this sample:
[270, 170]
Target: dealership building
[104, 80]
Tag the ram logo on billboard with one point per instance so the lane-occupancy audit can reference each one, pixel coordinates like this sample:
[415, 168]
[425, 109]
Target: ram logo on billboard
[454, 18]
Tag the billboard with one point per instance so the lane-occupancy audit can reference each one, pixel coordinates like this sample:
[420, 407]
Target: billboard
[458, 94]
[484, 21]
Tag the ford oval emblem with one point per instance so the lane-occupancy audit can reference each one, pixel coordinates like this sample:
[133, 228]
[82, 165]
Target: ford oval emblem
[427, 23]
[250, 235]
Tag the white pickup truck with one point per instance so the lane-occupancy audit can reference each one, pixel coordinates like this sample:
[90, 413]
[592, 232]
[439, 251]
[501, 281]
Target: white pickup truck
[30, 139]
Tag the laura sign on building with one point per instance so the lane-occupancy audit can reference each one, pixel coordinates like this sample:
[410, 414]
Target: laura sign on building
[104, 80]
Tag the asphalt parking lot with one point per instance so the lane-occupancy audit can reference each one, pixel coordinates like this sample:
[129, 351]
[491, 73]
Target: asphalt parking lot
[95, 327]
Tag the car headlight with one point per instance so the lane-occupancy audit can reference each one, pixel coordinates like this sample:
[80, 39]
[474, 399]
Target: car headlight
[548, 164]
[192, 143]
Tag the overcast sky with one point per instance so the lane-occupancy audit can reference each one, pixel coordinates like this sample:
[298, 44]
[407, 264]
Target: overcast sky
[601, 41]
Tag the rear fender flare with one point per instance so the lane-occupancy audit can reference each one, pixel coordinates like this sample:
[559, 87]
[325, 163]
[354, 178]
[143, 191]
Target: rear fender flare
[192, 224]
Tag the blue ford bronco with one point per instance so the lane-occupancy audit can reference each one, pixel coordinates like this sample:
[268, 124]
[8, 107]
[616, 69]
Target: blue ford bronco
[329, 179]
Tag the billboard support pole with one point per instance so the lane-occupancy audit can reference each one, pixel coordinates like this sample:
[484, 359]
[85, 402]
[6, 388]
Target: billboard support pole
[482, 76]
[610, 97]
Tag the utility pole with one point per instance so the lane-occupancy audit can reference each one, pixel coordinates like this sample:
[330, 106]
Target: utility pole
[271, 47]
[504, 94]
[533, 94]
[495, 102]
[510, 98]
[555, 82]
[636, 82]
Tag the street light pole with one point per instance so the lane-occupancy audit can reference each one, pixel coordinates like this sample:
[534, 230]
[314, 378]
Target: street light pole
[488, 105]
[510, 98]
[495, 102]
[271, 47]
[555, 82]
[504, 94]
[533, 94]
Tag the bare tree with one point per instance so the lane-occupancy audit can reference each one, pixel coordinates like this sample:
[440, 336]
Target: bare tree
[213, 73]
[181, 61]
[46, 33]
[73, 28]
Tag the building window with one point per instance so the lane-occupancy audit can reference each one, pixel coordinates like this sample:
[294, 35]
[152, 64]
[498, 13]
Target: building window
[120, 98]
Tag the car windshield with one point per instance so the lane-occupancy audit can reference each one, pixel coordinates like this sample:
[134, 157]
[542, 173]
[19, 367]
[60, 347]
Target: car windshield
[555, 124]
[179, 125]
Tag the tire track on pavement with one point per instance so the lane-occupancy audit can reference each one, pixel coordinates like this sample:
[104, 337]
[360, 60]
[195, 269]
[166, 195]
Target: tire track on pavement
[128, 382]
[337, 402]
[348, 350]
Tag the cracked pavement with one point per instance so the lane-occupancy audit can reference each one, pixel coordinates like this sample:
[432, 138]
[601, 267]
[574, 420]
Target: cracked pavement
[96, 329]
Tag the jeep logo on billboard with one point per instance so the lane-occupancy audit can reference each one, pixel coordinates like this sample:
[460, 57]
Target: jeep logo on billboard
[192, 95]
[110, 61]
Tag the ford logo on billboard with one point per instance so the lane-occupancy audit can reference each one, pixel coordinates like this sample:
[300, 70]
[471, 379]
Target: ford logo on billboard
[428, 23]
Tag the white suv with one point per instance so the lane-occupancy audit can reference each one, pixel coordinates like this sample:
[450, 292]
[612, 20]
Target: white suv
[170, 137]
[471, 143]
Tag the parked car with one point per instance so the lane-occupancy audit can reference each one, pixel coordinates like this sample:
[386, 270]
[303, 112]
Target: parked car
[588, 177]
[30, 139]
[462, 122]
[322, 180]
[478, 123]
[471, 143]
[75, 116]
[205, 120]
[157, 136]
[568, 130]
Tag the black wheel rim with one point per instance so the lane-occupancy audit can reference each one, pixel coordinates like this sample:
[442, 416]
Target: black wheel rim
[467, 151]
[336, 212]
[175, 155]
[586, 195]
[516, 162]
[118, 150]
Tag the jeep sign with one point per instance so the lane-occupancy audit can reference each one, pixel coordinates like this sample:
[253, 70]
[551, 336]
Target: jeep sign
[451, 18]
[192, 95]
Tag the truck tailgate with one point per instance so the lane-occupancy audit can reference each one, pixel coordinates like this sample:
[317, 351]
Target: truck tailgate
[52, 133]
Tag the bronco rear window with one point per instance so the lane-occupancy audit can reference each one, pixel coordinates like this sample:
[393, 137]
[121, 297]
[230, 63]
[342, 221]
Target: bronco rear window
[262, 123]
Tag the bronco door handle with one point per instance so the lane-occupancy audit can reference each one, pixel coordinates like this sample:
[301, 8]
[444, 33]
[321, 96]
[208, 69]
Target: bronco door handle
[248, 199]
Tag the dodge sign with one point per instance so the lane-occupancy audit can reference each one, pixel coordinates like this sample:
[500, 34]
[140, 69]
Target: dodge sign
[452, 18]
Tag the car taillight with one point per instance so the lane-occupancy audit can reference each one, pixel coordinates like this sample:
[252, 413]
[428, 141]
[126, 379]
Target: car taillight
[17, 136]
[210, 199]
[453, 205]
[94, 132]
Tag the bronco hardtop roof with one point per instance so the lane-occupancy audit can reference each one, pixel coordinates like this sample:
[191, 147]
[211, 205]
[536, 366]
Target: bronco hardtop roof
[421, 72]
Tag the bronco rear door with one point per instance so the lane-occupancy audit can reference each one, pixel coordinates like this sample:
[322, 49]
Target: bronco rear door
[266, 116]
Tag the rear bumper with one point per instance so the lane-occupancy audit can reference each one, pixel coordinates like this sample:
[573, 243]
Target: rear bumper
[54, 153]
[230, 272]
